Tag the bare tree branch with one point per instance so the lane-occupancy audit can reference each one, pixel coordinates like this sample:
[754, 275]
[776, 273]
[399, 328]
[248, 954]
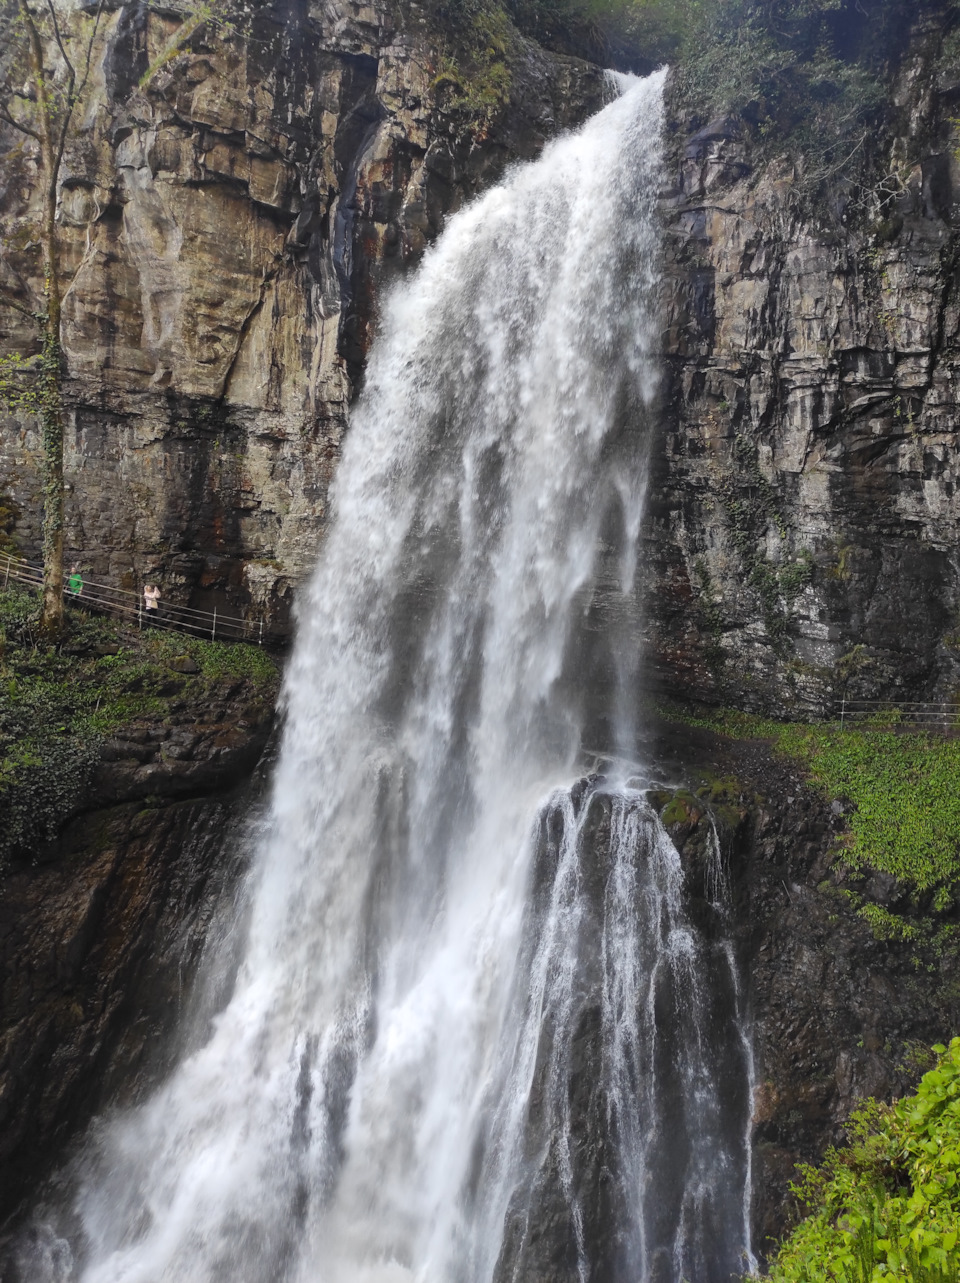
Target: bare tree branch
[89, 49]
[74, 93]
[17, 124]
[55, 96]
[64, 129]
[39, 79]
[59, 39]
[69, 97]
[7, 300]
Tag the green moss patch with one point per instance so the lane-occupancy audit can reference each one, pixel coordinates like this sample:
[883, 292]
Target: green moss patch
[901, 789]
[59, 703]
[474, 74]
[904, 787]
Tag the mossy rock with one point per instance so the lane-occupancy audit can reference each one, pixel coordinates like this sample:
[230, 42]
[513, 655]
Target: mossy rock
[683, 810]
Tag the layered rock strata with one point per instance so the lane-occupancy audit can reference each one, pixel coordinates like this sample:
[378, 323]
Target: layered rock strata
[806, 533]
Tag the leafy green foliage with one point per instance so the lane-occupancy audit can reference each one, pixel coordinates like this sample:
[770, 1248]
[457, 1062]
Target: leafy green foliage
[33, 385]
[807, 77]
[474, 68]
[906, 790]
[888, 1205]
[58, 703]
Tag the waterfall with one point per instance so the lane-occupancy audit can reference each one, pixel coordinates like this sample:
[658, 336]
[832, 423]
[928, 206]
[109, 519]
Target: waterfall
[474, 1035]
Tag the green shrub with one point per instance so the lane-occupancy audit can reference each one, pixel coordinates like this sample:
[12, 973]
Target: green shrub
[476, 46]
[9, 512]
[887, 1206]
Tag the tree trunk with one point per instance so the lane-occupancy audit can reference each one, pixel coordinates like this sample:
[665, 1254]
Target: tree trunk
[51, 427]
[52, 413]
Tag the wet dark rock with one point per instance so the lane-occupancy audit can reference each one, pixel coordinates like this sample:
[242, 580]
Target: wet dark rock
[117, 750]
[579, 1163]
[836, 1014]
[184, 664]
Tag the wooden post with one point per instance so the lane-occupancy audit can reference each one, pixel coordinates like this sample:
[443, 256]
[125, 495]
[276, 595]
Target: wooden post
[213, 631]
[843, 710]
[260, 643]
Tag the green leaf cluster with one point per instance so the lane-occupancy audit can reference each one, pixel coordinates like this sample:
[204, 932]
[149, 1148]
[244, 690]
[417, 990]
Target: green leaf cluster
[474, 72]
[9, 513]
[906, 791]
[887, 1206]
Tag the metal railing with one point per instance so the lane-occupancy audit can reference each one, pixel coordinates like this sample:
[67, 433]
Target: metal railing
[936, 716]
[128, 605]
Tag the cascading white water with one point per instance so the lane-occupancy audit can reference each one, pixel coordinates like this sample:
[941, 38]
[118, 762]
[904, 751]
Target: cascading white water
[473, 1035]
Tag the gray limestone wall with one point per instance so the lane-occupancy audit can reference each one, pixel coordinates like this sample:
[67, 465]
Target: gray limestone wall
[805, 534]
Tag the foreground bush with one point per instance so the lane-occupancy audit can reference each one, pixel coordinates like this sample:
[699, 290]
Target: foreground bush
[888, 1205]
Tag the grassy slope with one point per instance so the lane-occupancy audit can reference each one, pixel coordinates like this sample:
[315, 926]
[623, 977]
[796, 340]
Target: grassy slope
[58, 704]
[901, 789]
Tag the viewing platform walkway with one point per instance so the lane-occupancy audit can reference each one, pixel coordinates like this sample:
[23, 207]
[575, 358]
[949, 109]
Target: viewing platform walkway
[129, 606]
[932, 716]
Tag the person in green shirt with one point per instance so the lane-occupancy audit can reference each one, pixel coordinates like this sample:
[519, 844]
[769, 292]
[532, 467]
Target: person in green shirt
[75, 582]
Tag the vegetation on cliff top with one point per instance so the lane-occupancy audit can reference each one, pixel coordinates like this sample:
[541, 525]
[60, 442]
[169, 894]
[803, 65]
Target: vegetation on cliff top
[887, 1206]
[808, 77]
[733, 50]
[902, 789]
[59, 702]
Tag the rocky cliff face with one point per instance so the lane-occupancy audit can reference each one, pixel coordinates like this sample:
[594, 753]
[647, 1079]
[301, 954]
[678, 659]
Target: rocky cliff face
[100, 932]
[807, 507]
[230, 224]
[227, 228]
